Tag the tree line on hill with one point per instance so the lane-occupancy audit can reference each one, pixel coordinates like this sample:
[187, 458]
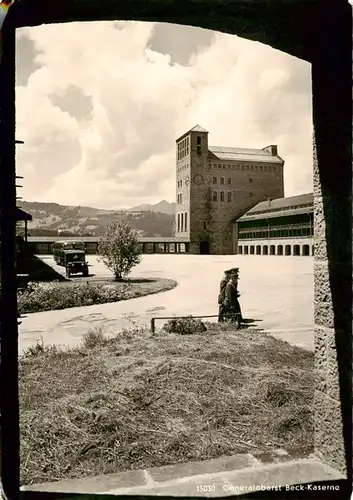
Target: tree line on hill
[50, 218]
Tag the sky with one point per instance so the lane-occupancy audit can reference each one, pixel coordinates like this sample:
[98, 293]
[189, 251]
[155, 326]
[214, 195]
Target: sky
[99, 106]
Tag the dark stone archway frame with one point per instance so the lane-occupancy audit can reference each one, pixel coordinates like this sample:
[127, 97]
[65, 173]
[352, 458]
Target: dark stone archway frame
[319, 32]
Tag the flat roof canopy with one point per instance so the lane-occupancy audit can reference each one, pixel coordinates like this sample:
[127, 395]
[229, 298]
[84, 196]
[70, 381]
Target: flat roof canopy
[21, 215]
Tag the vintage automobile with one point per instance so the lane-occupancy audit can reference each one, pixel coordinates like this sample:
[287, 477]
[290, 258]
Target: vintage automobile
[71, 255]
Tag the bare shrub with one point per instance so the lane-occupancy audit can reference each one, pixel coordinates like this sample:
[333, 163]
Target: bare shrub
[185, 326]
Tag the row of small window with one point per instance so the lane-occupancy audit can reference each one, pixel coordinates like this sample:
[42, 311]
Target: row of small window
[278, 224]
[287, 250]
[180, 198]
[183, 148]
[222, 180]
[183, 167]
[222, 196]
[252, 168]
[278, 233]
[182, 222]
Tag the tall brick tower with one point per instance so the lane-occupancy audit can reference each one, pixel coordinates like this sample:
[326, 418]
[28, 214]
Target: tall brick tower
[216, 185]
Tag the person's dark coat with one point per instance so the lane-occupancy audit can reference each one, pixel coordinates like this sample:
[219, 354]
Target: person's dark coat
[231, 298]
[222, 290]
[221, 298]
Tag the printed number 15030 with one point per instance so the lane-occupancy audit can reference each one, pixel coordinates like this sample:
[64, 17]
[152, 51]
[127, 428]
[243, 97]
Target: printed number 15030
[204, 488]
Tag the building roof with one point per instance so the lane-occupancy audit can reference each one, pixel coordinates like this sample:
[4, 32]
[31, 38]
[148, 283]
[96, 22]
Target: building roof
[244, 154]
[197, 128]
[281, 207]
[289, 201]
[21, 215]
[275, 215]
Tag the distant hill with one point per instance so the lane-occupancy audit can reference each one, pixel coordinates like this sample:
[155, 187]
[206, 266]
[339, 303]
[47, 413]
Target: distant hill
[163, 207]
[49, 218]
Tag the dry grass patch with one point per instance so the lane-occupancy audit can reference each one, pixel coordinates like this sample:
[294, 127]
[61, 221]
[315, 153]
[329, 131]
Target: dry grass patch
[140, 400]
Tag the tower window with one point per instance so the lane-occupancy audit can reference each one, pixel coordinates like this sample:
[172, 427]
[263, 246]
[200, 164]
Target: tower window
[178, 223]
[229, 196]
[186, 221]
[198, 149]
[250, 180]
[222, 180]
[181, 198]
[198, 140]
[214, 180]
[222, 196]
[229, 180]
[182, 222]
[214, 196]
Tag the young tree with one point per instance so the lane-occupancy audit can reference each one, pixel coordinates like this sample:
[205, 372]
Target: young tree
[119, 248]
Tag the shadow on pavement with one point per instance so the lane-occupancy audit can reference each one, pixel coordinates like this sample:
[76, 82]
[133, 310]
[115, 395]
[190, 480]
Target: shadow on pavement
[249, 322]
[37, 269]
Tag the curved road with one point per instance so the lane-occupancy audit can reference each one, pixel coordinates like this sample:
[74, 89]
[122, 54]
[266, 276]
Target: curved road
[278, 292]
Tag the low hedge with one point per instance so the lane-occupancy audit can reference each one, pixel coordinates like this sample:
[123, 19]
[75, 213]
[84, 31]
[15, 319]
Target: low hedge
[40, 297]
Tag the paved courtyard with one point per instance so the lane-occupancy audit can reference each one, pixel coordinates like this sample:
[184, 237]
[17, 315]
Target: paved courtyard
[277, 292]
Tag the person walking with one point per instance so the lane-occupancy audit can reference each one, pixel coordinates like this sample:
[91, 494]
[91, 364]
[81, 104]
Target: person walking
[221, 297]
[231, 302]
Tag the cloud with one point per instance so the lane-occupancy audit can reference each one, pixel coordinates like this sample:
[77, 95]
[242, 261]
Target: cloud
[104, 103]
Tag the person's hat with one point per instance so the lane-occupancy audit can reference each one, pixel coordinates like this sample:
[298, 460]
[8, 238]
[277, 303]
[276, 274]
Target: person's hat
[234, 270]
